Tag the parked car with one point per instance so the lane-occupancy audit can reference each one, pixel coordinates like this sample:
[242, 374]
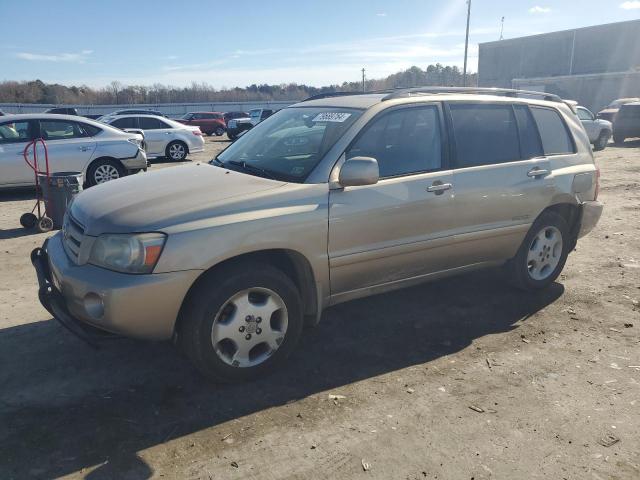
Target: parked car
[237, 126]
[231, 115]
[326, 201]
[62, 111]
[137, 111]
[627, 122]
[93, 116]
[74, 143]
[211, 123]
[612, 109]
[163, 137]
[598, 130]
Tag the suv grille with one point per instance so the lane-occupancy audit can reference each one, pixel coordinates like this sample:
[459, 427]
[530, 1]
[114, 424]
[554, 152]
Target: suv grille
[72, 236]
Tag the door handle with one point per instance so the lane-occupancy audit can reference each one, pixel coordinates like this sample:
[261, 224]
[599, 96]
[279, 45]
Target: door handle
[439, 188]
[84, 149]
[537, 172]
[167, 133]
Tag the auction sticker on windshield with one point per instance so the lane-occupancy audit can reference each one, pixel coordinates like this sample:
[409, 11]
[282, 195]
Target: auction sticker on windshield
[337, 117]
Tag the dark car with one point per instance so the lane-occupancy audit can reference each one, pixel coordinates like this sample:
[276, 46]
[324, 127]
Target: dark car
[609, 113]
[209, 122]
[62, 111]
[627, 122]
[134, 111]
[232, 115]
[93, 116]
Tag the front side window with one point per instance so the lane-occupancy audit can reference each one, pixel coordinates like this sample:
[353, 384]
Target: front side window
[289, 144]
[60, 130]
[404, 141]
[553, 131]
[484, 134]
[15, 132]
[187, 116]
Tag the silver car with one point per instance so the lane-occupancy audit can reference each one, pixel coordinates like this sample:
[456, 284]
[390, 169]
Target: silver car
[163, 137]
[74, 143]
[329, 200]
[599, 131]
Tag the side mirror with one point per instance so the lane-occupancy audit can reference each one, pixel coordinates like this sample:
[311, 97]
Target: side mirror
[359, 171]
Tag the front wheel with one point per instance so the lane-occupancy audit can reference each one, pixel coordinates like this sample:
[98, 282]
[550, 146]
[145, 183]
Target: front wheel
[601, 142]
[176, 151]
[240, 324]
[219, 131]
[543, 253]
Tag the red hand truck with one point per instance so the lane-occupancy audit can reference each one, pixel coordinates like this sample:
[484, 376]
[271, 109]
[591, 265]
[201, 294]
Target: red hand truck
[42, 222]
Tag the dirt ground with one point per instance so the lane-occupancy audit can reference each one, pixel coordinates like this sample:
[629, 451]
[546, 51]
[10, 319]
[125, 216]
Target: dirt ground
[464, 378]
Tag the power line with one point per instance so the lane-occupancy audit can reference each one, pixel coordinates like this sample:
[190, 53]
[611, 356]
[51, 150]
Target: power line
[466, 45]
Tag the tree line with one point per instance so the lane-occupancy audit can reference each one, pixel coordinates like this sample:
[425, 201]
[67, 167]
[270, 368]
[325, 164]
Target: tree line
[115, 93]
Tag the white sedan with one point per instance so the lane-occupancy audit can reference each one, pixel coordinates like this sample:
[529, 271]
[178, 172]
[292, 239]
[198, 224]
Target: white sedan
[163, 137]
[74, 144]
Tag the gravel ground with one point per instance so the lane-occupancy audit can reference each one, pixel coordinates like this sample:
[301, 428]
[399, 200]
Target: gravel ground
[464, 378]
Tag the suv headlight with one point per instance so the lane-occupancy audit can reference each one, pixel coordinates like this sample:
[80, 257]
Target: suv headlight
[128, 253]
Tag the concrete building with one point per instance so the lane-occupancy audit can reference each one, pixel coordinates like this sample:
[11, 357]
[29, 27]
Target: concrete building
[592, 65]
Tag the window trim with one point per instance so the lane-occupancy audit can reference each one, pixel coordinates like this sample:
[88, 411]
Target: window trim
[521, 130]
[566, 129]
[444, 138]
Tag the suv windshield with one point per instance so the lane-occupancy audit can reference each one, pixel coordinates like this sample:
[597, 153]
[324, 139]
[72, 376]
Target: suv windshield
[288, 145]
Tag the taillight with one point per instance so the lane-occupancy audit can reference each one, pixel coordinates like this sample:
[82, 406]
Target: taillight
[597, 183]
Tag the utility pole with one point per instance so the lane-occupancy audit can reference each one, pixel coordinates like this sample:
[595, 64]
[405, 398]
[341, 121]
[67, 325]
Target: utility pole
[363, 87]
[501, 28]
[466, 45]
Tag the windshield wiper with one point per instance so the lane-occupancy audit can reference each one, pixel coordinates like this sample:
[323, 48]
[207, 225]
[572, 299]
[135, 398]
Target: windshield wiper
[250, 168]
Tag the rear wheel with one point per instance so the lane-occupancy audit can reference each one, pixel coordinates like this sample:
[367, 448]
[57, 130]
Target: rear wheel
[176, 151]
[618, 139]
[602, 141]
[104, 170]
[543, 253]
[242, 323]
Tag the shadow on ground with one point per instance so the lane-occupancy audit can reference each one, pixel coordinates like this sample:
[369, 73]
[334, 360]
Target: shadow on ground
[64, 406]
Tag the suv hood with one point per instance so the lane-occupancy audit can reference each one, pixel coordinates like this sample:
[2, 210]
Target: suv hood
[152, 201]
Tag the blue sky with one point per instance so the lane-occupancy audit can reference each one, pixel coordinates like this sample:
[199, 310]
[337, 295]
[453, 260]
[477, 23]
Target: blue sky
[269, 41]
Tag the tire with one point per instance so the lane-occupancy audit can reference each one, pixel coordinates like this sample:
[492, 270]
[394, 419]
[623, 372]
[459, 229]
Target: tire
[45, 224]
[176, 151]
[602, 141]
[28, 220]
[232, 136]
[540, 258]
[618, 139]
[219, 131]
[235, 297]
[104, 170]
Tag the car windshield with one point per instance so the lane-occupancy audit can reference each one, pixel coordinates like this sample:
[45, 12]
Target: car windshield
[186, 116]
[289, 144]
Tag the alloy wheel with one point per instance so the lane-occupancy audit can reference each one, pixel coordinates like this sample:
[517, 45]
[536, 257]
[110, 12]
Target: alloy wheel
[105, 172]
[250, 327]
[177, 151]
[545, 252]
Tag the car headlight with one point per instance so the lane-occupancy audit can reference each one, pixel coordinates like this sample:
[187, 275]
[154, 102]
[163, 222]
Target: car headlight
[128, 253]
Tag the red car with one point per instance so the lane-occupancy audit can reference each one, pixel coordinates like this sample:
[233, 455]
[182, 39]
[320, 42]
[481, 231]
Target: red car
[211, 123]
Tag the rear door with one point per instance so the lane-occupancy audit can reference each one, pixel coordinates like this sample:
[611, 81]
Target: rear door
[69, 146]
[14, 136]
[157, 134]
[501, 176]
[398, 228]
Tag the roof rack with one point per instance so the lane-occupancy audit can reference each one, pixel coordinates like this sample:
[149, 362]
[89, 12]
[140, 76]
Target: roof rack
[504, 92]
[341, 94]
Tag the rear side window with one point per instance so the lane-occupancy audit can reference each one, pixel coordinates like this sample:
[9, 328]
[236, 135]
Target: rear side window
[630, 111]
[90, 130]
[122, 123]
[60, 130]
[484, 134]
[147, 123]
[530, 146]
[553, 131]
[403, 142]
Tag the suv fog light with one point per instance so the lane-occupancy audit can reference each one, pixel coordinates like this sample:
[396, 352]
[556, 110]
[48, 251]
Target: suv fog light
[93, 305]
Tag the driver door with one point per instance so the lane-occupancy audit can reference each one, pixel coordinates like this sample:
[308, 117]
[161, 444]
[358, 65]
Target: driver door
[14, 136]
[400, 228]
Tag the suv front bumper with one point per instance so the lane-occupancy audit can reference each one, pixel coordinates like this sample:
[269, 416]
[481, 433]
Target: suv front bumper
[591, 212]
[87, 299]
